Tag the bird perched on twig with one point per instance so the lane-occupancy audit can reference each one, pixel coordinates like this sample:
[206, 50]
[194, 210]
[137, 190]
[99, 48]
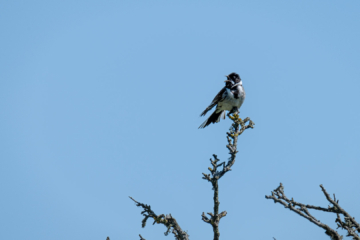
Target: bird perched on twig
[230, 98]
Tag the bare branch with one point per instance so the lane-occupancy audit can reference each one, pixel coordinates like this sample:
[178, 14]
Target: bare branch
[169, 222]
[205, 218]
[349, 223]
[237, 128]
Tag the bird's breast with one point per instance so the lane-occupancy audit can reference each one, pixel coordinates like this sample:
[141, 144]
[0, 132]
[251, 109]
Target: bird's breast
[232, 98]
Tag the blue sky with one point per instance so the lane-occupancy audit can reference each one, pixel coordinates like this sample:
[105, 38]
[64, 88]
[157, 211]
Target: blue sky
[100, 100]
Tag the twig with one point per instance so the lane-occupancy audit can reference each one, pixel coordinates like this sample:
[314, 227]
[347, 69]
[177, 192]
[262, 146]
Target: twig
[169, 222]
[350, 225]
[237, 128]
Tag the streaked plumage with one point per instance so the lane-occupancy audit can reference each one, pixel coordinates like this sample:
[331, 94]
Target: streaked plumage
[230, 98]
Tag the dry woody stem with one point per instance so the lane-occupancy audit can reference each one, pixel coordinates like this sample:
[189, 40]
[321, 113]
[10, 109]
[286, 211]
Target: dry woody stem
[237, 128]
[348, 223]
[169, 222]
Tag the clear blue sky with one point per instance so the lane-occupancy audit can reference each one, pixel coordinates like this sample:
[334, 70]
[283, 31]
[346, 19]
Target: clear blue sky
[100, 100]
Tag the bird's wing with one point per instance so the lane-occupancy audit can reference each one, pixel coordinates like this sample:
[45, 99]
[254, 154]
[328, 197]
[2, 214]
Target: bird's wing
[215, 101]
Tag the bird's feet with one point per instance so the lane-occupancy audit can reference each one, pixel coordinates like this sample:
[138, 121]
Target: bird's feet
[234, 117]
[235, 114]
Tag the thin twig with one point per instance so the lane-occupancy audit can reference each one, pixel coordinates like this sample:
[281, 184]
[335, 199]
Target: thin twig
[169, 222]
[349, 223]
[237, 128]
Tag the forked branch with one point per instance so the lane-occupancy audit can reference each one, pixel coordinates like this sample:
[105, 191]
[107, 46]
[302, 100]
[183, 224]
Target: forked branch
[237, 128]
[349, 223]
[169, 222]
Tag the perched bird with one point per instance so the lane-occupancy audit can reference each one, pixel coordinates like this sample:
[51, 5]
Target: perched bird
[230, 98]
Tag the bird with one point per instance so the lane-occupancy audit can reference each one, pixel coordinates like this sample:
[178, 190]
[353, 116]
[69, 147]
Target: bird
[230, 98]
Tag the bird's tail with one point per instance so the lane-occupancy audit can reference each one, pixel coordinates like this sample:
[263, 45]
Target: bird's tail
[214, 118]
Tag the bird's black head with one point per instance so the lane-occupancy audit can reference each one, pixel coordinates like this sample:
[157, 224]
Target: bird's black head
[234, 77]
[229, 83]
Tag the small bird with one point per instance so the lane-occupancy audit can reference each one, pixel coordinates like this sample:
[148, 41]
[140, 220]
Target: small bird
[230, 98]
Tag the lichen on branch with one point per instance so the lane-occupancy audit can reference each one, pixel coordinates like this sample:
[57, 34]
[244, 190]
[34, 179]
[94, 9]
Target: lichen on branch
[167, 220]
[237, 128]
[349, 224]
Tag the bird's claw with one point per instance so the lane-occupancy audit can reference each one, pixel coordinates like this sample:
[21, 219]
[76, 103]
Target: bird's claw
[234, 117]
